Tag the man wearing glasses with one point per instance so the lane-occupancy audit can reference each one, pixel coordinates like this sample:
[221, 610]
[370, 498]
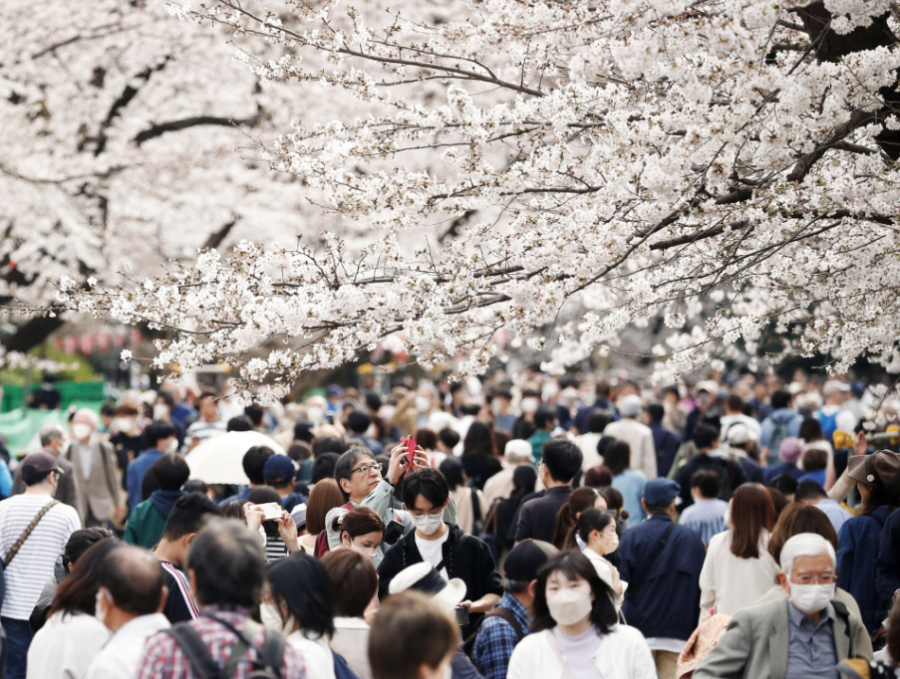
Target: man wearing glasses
[34, 529]
[358, 474]
[803, 637]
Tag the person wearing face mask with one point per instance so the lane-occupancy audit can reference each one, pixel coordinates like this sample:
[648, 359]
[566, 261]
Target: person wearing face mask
[451, 552]
[597, 530]
[161, 439]
[504, 420]
[299, 603]
[129, 602]
[126, 436]
[529, 404]
[806, 636]
[544, 423]
[575, 634]
[52, 438]
[73, 634]
[395, 647]
[94, 471]
[362, 531]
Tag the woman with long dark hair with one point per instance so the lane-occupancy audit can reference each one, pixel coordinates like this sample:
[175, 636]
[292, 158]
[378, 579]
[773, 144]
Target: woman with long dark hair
[739, 569]
[580, 500]
[878, 481]
[470, 503]
[72, 636]
[479, 456]
[596, 530]
[574, 633]
[524, 481]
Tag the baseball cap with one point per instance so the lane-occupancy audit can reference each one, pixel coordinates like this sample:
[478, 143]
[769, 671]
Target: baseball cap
[517, 450]
[879, 468]
[525, 559]
[738, 434]
[658, 492]
[421, 577]
[335, 390]
[834, 386]
[630, 406]
[709, 386]
[279, 468]
[37, 464]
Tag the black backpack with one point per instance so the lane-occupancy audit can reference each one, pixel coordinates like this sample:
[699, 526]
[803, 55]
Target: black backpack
[266, 665]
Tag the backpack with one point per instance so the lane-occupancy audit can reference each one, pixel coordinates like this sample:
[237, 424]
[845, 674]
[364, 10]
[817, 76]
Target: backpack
[828, 423]
[780, 431]
[266, 665]
[506, 614]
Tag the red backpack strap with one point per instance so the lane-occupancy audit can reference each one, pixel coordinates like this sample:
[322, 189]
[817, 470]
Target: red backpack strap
[349, 506]
[321, 544]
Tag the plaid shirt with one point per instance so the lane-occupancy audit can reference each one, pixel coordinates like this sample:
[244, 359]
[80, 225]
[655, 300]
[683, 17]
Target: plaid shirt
[496, 639]
[164, 659]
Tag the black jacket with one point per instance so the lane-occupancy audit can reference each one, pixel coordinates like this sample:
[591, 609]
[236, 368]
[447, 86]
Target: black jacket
[465, 557]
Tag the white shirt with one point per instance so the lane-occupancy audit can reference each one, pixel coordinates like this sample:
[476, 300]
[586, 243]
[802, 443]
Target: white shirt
[500, 485]
[317, 655]
[729, 583]
[432, 552]
[351, 640]
[639, 438]
[121, 656]
[587, 443]
[33, 565]
[65, 646]
[85, 455]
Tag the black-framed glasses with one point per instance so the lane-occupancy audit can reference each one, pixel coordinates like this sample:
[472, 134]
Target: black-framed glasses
[366, 468]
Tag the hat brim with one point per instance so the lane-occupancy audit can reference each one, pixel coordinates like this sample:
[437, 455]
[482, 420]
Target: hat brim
[452, 594]
[856, 470]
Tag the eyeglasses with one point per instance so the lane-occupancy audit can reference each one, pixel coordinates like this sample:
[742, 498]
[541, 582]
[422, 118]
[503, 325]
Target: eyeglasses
[826, 578]
[366, 468]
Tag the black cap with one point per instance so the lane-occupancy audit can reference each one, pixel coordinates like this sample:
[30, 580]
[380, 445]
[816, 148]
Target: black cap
[37, 465]
[525, 560]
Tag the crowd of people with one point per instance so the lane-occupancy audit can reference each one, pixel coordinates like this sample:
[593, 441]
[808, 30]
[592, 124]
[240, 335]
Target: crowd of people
[535, 527]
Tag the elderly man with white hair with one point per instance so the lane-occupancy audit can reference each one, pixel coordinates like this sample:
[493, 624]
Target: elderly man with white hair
[94, 468]
[803, 637]
[500, 485]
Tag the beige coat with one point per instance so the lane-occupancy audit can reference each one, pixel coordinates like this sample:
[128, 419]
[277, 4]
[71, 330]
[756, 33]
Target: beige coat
[101, 492]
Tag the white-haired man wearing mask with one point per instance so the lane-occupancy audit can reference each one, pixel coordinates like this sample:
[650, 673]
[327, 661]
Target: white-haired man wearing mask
[93, 462]
[804, 637]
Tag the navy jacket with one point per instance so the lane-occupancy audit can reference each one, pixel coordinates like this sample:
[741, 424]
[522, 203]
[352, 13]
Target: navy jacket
[664, 602]
[666, 443]
[887, 565]
[857, 551]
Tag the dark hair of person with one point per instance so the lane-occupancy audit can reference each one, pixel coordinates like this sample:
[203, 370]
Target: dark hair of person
[205, 395]
[255, 413]
[524, 482]
[449, 437]
[656, 412]
[358, 521]
[735, 403]
[80, 541]
[427, 482]
[784, 483]
[809, 490]
[427, 438]
[879, 496]
[800, 518]
[303, 432]
[618, 457]
[358, 422]
[779, 501]
[574, 565]
[254, 463]
[349, 461]
[134, 579]
[239, 423]
[752, 512]
[501, 438]
[171, 471]
[189, 513]
[479, 439]
[708, 482]
[581, 499]
[235, 510]
[324, 467]
[354, 580]
[156, 431]
[893, 631]
[263, 495]
[597, 421]
[544, 416]
[328, 444]
[705, 436]
[781, 399]
[589, 521]
[299, 451]
[325, 496]
[811, 430]
[108, 409]
[195, 486]
[614, 501]
[814, 460]
[229, 565]
[562, 458]
[598, 476]
[301, 583]
[77, 593]
[454, 472]
[404, 621]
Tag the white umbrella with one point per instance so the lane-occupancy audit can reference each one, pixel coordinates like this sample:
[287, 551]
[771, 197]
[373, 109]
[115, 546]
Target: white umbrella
[220, 459]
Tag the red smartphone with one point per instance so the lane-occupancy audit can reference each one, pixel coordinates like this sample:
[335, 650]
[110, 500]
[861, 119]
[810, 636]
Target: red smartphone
[411, 448]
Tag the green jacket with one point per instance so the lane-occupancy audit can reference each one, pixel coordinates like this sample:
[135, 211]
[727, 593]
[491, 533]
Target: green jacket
[537, 441]
[145, 525]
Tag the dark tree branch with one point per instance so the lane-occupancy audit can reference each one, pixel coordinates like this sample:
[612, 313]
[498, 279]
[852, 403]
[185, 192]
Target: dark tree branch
[177, 125]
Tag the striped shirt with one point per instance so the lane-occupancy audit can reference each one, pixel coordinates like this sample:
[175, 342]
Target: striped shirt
[180, 604]
[32, 566]
[706, 518]
[203, 430]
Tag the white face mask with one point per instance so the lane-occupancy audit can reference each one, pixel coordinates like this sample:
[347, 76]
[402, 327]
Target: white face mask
[172, 447]
[423, 405]
[315, 414]
[569, 607]
[427, 524]
[160, 411]
[529, 405]
[497, 406]
[81, 431]
[387, 412]
[609, 543]
[549, 391]
[811, 598]
[368, 552]
[125, 424]
[270, 616]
